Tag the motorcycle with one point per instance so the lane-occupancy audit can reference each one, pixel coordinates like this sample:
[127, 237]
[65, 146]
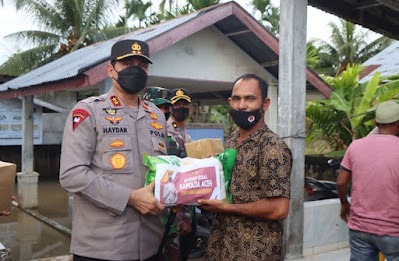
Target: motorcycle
[323, 189]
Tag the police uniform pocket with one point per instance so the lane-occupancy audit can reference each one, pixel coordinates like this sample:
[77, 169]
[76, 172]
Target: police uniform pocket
[118, 155]
[159, 145]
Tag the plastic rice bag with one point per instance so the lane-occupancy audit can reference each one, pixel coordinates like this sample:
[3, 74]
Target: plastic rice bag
[184, 181]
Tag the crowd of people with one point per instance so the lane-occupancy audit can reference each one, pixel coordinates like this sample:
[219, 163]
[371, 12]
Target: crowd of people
[116, 217]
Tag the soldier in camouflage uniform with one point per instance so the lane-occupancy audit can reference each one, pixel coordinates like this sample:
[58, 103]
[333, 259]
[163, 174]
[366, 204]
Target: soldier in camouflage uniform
[175, 146]
[160, 97]
[177, 137]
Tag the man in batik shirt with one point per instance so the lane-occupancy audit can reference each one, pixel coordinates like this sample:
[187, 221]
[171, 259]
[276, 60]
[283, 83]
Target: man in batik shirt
[251, 228]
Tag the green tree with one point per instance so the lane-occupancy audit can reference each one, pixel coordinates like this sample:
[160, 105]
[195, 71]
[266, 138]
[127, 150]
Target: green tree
[191, 6]
[312, 55]
[349, 113]
[199, 4]
[65, 26]
[269, 14]
[137, 10]
[348, 46]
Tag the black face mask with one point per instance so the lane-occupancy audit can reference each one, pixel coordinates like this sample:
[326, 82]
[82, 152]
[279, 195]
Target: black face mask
[167, 115]
[245, 119]
[132, 80]
[180, 114]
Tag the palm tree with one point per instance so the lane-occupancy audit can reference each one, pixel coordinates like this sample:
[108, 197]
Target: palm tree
[269, 14]
[348, 46]
[199, 4]
[191, 6]
[138, 10]
[65, 26]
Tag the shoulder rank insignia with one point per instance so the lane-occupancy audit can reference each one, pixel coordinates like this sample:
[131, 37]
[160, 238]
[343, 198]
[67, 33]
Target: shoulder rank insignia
[153, 116]
[118, 161]
[117, 143]
[110, 111]
[114, 120]
[156, 125]
[144, 105]
[174, 125]
[161, 146]
[78, 115]
[115, 101]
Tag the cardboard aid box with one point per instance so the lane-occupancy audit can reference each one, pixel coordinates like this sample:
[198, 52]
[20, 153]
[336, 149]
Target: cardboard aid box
[203, 148]
[7, 181]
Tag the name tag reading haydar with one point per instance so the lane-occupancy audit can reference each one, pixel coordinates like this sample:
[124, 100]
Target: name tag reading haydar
[194, 179]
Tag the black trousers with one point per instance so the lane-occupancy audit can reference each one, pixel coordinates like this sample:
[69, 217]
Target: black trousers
[82, 258]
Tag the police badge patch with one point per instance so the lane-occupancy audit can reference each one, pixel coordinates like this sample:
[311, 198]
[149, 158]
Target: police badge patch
[118, 161]
[114, 120]
[111, 111]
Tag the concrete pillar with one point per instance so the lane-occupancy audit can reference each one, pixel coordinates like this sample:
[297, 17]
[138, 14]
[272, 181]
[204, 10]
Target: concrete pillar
[105, 86]
[291, 112]
[271, 113]
[27, 178]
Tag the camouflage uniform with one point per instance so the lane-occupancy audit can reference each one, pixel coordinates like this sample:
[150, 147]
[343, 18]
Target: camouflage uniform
[176, 137]
[157, 95]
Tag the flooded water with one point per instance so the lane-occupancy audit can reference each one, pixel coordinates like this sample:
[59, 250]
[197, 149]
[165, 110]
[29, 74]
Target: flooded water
[30, 238]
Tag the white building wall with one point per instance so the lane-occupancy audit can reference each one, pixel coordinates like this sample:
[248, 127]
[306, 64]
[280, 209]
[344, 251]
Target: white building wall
[48, 127]
[11, 123]
[209, 61]
[54, 123]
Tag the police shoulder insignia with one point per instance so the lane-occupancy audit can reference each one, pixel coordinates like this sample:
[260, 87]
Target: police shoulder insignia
[78, 115]
[144, 105]
[117, 143]
[118, 161]
[115, 101]
[114, 120]
[156, 125]
[153, 116]
[161, 146]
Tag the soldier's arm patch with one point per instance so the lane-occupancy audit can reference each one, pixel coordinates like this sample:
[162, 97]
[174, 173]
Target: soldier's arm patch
[78, 115]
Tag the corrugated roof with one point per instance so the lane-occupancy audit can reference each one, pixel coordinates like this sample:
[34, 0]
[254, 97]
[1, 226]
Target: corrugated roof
[385, 62]
[82, 59]
[378, 15]
[85, 67]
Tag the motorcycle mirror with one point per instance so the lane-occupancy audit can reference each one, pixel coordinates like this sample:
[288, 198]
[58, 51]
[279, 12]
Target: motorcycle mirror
[333, 162]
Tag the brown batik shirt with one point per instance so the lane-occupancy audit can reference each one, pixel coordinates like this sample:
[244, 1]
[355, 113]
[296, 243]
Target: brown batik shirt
[262, 170]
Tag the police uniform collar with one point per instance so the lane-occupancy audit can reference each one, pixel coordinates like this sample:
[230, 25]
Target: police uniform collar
[144, 109]
[173, 123]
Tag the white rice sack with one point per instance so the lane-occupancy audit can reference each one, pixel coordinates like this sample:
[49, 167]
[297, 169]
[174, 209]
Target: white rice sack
[185, 181]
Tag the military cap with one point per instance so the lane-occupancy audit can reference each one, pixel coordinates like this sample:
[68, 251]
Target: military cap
[128, 48]
[157, 95]
[178, 94]
[387, 112]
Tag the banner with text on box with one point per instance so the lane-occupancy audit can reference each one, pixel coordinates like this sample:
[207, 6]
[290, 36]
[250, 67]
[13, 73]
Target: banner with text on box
[194, 179]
